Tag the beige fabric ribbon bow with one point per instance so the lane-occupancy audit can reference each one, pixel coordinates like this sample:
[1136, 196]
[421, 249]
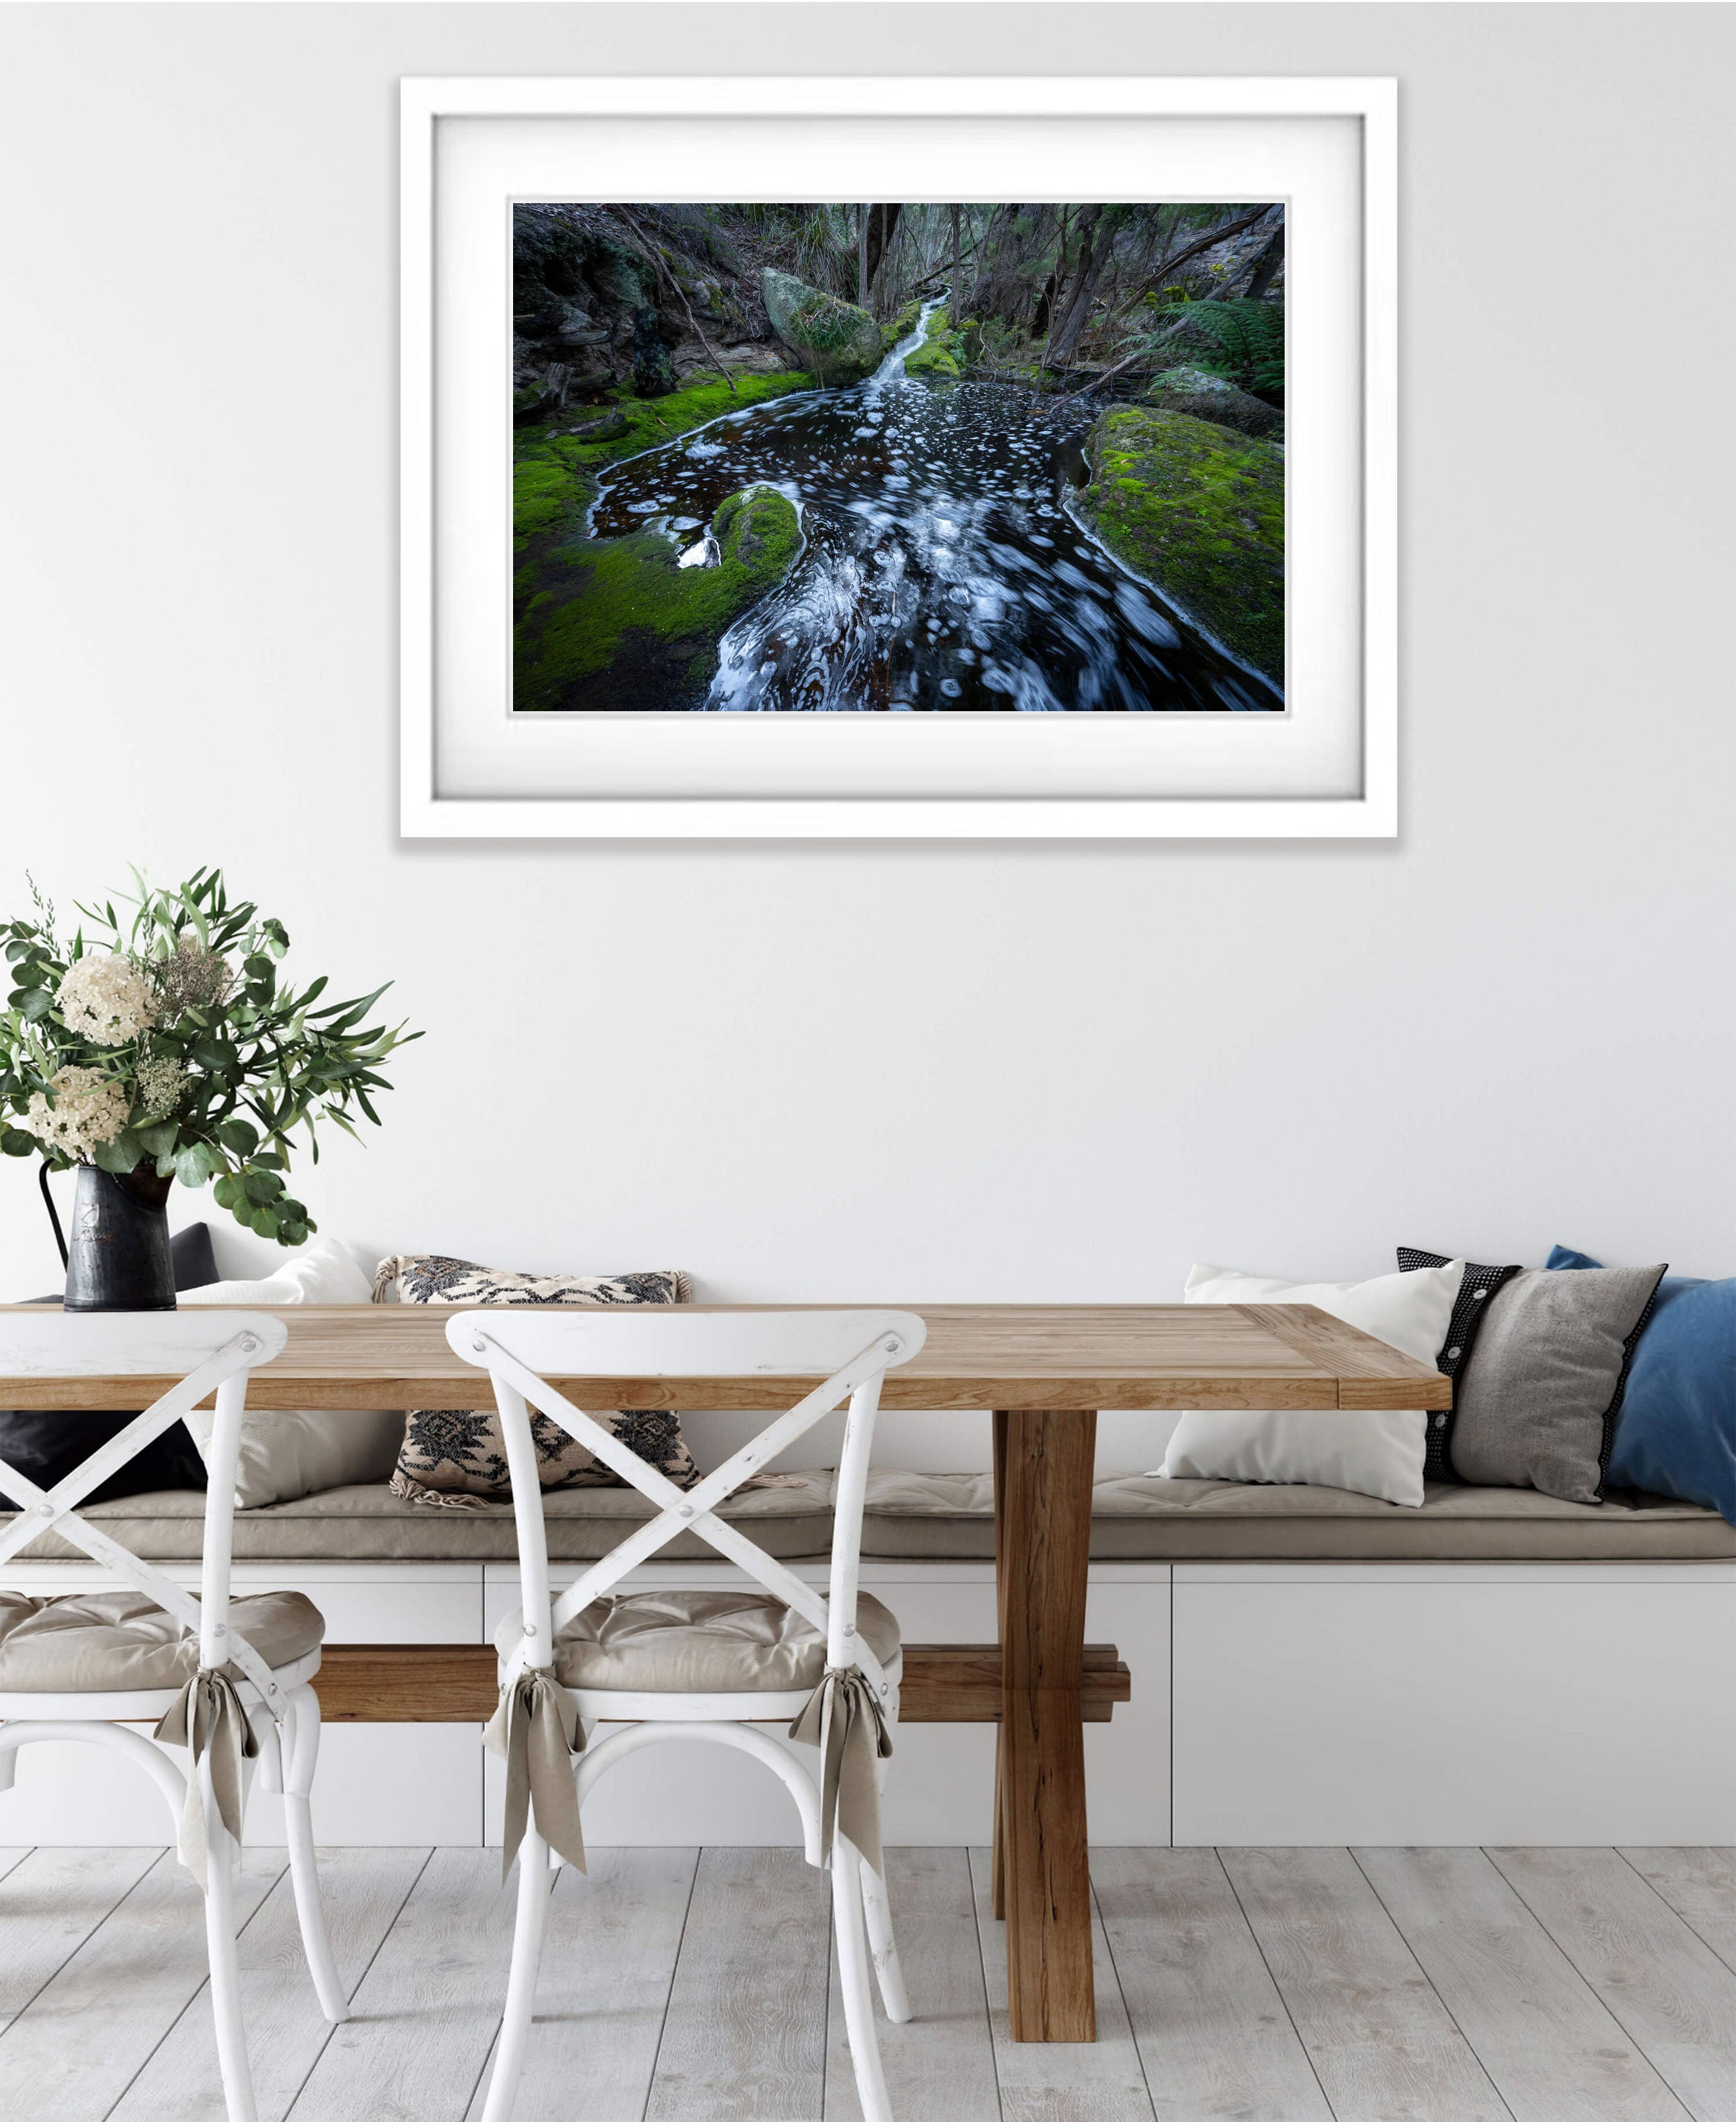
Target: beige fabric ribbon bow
[535, 1730]
[206, 1717]
[844, 1719]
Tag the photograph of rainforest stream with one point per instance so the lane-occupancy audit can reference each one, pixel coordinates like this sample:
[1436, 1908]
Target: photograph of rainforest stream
[929, 459]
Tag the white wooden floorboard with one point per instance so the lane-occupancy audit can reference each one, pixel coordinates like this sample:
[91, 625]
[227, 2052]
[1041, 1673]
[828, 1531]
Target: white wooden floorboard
[1212, 2029]
[1282, 1985]
[1100, 2081]
[1553, 2052]
[363, 1891]
[51, 1902]
[940, 2065]
[1700, 1885]
[608, 1960]
[11, 1858]
[745, 2039]
[72, 2051]
[426, 2010]
[1381, 2042]
[1670, 1992]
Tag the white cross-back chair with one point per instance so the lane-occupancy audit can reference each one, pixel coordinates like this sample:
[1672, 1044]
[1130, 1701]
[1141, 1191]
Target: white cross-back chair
[85, 1666]
[831, 1663]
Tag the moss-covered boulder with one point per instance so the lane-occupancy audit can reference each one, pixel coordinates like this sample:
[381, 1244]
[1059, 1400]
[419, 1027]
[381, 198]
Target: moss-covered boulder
[1216, 398]
[555, 463]
[840, 343]
[620, 623]
[1197, 510]
[941, 354]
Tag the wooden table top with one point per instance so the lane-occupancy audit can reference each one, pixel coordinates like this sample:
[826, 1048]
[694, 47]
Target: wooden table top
[980, 1356]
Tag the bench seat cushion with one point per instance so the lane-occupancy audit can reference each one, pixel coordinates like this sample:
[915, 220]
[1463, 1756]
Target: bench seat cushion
[120, 1642]
[1144, 1518]
[934, 1517]
[369, 1524]
[699, 1642]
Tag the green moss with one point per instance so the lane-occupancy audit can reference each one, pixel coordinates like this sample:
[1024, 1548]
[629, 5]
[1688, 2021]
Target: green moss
[840, 341]
[1198, 510]
[554, 474]
[618, 623]
[941, 354]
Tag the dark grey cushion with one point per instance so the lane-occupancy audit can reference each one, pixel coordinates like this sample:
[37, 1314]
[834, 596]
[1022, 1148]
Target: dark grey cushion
[1536, 1405]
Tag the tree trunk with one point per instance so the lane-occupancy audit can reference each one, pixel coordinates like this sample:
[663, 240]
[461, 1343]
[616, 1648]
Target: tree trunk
[861, 256]
[882, 220]
[955, 293]
[1265, 270]
[1092, 261]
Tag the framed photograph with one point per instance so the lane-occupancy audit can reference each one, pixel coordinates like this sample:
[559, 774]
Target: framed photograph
[1033, 475]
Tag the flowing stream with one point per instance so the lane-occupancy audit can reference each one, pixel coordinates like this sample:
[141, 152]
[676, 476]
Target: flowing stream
[940, 567]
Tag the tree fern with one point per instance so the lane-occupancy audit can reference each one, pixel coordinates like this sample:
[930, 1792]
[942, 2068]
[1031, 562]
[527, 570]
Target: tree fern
[1242, 341]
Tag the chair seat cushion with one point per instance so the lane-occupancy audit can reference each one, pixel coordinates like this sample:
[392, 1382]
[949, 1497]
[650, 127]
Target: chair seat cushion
[123, 1643]
[699, 1642]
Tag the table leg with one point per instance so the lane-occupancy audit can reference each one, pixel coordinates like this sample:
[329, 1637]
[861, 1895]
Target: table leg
[1043, 1462]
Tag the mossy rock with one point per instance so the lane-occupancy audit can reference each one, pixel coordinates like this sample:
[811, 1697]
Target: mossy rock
[941, 354]
[1197, 510]
[616, 622]
[840, 343]
[1216, 398]
[555, 470]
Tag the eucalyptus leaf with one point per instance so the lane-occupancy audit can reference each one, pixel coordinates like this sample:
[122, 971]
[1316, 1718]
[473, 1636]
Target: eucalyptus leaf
[122, 1154]
[14, 1142]
[194, 1164]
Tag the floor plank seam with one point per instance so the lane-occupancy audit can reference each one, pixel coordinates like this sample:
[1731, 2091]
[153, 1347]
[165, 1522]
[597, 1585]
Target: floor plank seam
[108, 1916]
[1686, 1921]
[1278, 1987]
[1631, 2033]
[988, 2015]
[1452, 2020]
[354, 1989]
[1109, 1947]
[197, 1996]
[674, 1967]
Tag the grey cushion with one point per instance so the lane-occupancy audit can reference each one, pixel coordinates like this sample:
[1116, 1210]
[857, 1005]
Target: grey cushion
[1144, 1518]
[934, 1517]
[1536, 1405]
[699, 1642]
[369, 1524]
[119, 1641]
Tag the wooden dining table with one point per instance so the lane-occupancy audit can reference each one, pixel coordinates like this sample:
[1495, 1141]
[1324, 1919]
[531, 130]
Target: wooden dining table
[1042, 1372]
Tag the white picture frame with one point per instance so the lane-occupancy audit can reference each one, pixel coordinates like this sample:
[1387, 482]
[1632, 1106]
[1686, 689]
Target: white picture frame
[1327, 767]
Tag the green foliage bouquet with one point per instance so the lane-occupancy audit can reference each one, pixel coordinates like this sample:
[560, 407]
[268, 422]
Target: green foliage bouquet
[166, 1046]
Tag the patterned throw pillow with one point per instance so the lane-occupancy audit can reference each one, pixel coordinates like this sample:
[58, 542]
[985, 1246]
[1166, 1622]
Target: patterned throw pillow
[456, 1458]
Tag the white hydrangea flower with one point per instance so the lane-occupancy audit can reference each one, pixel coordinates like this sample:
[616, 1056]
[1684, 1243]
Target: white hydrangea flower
[106, 999]
[88, 1109]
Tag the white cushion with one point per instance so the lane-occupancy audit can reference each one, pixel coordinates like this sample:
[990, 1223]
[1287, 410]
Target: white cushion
[296, 1453]
[1375, 1453]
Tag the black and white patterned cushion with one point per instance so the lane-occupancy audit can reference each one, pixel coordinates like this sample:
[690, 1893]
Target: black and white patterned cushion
[456, 1457]
[1479, 1285]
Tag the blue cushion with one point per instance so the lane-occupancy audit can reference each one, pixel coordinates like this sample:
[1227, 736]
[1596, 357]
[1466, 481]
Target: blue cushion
[1675, 1434]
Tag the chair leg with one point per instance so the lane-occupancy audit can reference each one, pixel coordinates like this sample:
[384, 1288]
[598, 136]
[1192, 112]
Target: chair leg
[883, 1945]
[535, 1881]
[853, 1970]
[225, 1972]
[298, 1821]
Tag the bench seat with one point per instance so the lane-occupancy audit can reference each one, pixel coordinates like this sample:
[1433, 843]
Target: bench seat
[947, 1517]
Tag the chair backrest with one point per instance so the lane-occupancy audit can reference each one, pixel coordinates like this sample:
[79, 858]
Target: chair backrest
[849, 1352]
[204, 1353]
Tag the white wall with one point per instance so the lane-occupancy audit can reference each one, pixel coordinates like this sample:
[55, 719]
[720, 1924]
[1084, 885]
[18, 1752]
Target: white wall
[885, 1072]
